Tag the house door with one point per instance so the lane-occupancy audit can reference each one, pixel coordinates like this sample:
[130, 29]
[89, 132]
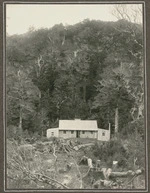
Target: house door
[78, 134]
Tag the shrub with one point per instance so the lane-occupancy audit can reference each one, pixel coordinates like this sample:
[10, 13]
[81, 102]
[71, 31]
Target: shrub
[111, 151]
[136, 149]
[11, 131]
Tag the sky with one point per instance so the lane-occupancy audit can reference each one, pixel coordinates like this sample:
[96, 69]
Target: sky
[20, 17]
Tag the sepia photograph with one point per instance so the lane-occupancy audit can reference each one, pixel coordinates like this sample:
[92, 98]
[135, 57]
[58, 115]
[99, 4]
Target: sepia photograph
[75, 89]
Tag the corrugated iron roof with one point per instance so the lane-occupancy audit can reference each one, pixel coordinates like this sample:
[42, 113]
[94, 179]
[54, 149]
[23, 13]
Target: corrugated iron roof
[78, 124]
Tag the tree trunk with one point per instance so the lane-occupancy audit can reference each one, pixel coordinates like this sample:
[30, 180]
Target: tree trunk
[20, 102]
[84, 93]
[116, 120]
[20, 122]
[84, 89]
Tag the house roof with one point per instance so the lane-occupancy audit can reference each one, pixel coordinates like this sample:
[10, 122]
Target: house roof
[77, 124]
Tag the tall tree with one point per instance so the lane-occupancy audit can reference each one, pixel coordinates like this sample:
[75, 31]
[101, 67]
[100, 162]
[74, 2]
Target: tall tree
[21, 96]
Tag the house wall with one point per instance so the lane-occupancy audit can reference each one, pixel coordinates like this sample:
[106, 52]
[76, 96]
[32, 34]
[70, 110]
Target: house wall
[67, 134]
[86, 134]
[53, 132]
[103, 135]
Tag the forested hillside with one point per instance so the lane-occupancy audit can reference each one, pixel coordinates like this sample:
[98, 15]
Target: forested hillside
[86, 70]
[92, 70]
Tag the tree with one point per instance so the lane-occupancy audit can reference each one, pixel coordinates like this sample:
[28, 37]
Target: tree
[129, 12]
[113, 97]
[21, 96]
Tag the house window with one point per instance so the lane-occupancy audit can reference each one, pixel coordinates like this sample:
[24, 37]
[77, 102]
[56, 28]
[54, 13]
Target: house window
[103, 133]
[83, 132]
[72, 132]
[64, 132]
[52, 133]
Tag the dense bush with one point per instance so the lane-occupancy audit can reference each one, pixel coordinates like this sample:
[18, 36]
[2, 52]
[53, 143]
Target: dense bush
[123, 151]
[86, 76]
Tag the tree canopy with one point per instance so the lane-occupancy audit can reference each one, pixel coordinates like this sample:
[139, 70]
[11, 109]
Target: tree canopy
[86, 71]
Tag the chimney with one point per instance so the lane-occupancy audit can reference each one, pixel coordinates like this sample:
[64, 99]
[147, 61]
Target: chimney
[109, 126]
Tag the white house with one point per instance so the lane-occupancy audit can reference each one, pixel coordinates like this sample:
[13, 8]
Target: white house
[79, 129]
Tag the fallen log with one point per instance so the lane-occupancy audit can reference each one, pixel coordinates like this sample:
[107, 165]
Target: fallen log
[46, 179]
[77, 147]
[126, 174]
